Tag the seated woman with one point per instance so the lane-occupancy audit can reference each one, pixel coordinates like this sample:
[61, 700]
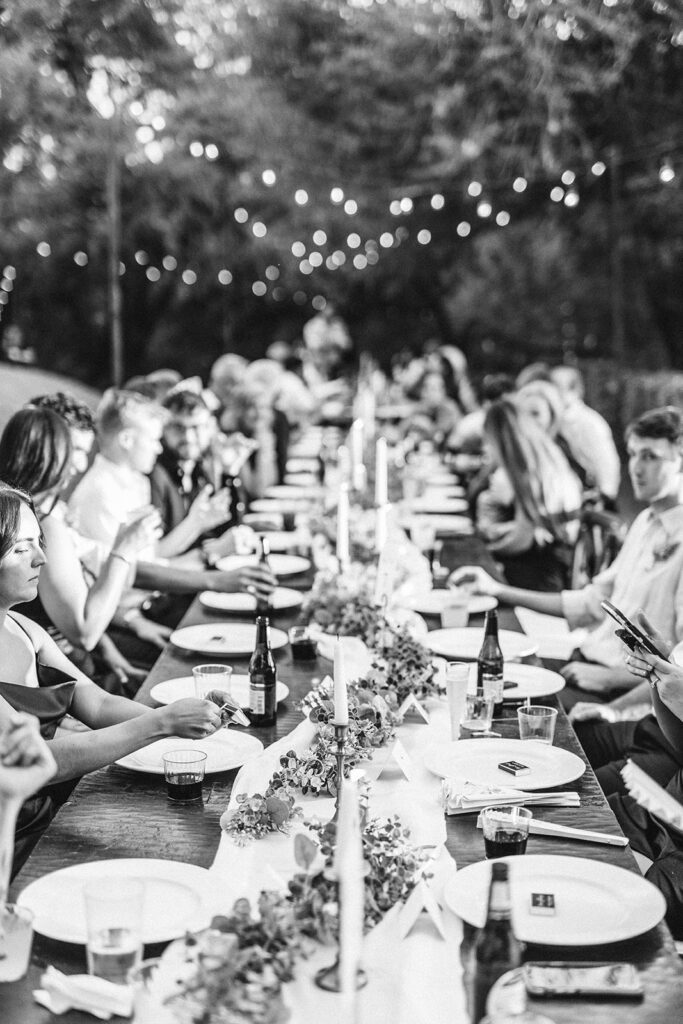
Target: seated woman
[543, 402]
[529, 515]
[437, 413]
[38, 679]
[37, 456]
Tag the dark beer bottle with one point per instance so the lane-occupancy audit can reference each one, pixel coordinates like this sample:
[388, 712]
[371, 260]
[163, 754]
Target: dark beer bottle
[262, 600]
[490, 662]
[262, 678]
[496, 949]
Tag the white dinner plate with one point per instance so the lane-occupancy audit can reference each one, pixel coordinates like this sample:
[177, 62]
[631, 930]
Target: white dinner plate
[594, 902]
[477, 761]
[281, 565]
[292, 492]
[433, 602]
[303, 465]
[224, 639]
[285, 540]
[282, 597]
[461, 525]
[264, 521]
[530, 681]
[463, 644]
[225, 750]
[178, 897]
[440, 491]
[183, 686]
[303, 480]
[442, 479]
[285, 506]
[438, 506]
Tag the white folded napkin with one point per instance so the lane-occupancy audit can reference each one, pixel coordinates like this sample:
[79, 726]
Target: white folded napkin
[103, 999]
[461, 796]
[554, 637]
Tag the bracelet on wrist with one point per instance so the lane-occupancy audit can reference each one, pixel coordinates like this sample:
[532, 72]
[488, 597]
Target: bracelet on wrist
[124, 558]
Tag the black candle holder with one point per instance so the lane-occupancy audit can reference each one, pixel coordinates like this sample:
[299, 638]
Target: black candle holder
[340, 732]
[328, 978]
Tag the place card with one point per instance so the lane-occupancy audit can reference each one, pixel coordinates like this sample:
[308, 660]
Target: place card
[412, 707]
[421, 901]
[398, 756]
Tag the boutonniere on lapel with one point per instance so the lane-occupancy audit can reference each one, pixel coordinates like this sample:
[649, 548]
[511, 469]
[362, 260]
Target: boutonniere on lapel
[663, 551]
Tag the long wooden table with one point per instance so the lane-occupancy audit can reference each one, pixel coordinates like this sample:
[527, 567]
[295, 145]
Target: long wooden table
[115, 813]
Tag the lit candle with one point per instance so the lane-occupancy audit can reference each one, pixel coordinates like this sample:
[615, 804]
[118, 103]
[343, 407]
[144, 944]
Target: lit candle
[348, 862]
[381, 528]
[344, 464]
[343, 551]
[341, 698]
[381, 493]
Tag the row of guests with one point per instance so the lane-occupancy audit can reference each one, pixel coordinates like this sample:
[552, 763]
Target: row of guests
[603, 693]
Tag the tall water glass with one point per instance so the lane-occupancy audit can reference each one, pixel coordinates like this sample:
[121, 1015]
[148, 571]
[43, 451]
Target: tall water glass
[114, 918]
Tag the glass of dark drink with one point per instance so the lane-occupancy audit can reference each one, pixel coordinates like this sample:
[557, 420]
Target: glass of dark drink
[184, 772]
[506, 830]
[304, 647]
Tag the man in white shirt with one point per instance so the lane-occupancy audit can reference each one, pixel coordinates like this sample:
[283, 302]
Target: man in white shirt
[646, 575]
[129, 429]
[587, 433]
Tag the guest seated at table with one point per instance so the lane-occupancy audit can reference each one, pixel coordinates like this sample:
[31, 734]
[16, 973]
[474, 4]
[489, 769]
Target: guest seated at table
[647, 573]
[287, 392]
[82, 585]
[116, 487]
[257, 419]
[436, 413]
[26, 765]
[588, 434]
[653, 839]
[38, 679]
[541, 400]
[81, 423]
[529, 513]
[630, 726]
[468, 435]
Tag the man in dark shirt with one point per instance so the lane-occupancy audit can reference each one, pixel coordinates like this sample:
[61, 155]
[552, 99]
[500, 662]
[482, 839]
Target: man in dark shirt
[182, 471]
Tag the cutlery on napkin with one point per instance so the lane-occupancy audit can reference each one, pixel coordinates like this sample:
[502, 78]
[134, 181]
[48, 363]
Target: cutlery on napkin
[62, 992]
[462, 797]
[550, 828]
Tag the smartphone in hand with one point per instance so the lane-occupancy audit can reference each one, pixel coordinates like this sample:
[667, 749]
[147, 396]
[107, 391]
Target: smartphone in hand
[632, 635]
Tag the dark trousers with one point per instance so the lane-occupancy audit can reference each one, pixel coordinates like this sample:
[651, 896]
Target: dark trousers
[608, 745]
[663, 844]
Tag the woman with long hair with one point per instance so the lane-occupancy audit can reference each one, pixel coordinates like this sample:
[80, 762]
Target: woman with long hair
[81, 586]
[530, 513]
[36, 678]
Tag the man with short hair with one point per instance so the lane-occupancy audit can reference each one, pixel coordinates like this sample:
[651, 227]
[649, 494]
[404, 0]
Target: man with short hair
[129, 427]
[587, 434]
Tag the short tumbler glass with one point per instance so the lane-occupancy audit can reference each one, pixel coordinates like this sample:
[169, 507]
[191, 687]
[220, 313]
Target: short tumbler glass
[184, 772]
[16, 934]
[537, 723]
[211, 677]
[506, 830]
[478, 712]
[114, 918]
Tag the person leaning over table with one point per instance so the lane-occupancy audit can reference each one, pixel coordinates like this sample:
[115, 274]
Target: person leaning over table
[38, 679]
[659, 842]
[647, 573]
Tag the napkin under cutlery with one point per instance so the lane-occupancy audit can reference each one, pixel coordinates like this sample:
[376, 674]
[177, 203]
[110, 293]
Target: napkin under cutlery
[61, 992]
[462, 797]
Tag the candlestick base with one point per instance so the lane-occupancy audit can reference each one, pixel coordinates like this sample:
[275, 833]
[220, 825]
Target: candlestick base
[328, 978]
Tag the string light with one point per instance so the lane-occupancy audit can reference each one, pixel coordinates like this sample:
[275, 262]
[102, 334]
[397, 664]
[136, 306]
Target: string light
[666, 173]
[269, 178]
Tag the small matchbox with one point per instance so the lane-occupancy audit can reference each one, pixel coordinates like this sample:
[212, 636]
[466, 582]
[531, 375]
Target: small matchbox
[542, 903]
[514, 768]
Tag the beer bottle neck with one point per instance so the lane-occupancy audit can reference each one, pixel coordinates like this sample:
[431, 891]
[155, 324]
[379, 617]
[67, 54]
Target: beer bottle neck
[499, 901]
[491, 624]
[262, 631]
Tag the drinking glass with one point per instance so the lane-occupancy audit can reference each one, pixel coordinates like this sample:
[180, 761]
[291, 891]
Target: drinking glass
[440, 571]
[537, 723]
[211, 677]
[114, 917]
[304, 647]
[478, 712]
[184, 773]
[16, 933]
[455, 612]
[506, 830]
[457, 680]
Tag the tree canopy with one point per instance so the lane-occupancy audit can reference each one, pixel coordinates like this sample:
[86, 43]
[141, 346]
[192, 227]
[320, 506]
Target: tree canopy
[505, 174]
